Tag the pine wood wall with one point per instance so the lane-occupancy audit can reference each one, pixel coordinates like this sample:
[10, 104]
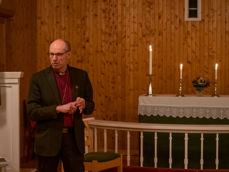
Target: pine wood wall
[110, 40]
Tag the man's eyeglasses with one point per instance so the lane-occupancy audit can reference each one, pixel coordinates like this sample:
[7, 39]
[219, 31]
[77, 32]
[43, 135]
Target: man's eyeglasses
[57, 54]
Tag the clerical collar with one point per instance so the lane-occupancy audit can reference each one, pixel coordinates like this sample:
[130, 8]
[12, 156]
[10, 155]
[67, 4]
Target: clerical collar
[61, 73]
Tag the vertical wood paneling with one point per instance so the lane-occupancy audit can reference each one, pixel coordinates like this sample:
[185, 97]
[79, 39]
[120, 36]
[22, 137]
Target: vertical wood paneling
[110, 40]
[206, 32]
[215, 18]
[159, 55]
[119, 52]
[155, 43]
[181, 37]
[220, 42]
[225, 88]
[220, 33]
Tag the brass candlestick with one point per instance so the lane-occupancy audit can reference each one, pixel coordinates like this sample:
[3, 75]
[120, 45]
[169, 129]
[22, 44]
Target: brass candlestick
[180, 94]
[215, 89]
[150, 85]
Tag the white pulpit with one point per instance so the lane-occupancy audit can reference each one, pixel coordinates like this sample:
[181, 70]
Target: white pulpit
[10, 119]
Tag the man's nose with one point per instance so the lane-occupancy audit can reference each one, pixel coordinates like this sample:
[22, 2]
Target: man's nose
[54, 57]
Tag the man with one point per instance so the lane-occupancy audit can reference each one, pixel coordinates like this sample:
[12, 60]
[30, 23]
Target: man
[58, 96]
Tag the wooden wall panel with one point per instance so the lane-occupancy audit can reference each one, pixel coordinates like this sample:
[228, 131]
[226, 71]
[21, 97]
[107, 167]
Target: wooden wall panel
[21, 40]
[110, 40]
[225, 72]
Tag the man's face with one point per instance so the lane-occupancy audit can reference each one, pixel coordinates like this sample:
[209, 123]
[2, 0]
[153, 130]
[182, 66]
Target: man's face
[59, 56]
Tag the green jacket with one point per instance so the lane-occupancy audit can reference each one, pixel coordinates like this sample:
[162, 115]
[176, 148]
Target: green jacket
[42, 101]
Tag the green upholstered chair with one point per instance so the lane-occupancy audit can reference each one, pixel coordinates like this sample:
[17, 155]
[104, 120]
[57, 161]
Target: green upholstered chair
[98, 161]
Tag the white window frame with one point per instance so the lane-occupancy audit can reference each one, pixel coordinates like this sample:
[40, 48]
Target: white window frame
[186, 17]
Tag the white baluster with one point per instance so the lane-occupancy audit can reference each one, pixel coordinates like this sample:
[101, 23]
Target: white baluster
[105, 140]
[141, 150]
[170, 150]
[92, 136]
[202, 151]
[95, 143]
[186, 151]
[217, 152]
[116, 141]
[155, 150]
[128, 148]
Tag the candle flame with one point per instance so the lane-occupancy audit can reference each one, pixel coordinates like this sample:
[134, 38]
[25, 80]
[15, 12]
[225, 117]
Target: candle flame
[181, 66]
[216, 66]
[150, 47]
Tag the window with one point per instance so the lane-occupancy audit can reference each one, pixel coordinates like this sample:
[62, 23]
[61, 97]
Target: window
[192, 10]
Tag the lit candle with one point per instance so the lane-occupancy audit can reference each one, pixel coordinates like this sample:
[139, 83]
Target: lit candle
[150, 60]
[181, 68]
[216, 68]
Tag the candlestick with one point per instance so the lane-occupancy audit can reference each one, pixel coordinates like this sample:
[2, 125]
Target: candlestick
[150, 89]
[180, 94]
[215, 84]
[150, 86]
[150, 59]
[181, 68]
[215, 90]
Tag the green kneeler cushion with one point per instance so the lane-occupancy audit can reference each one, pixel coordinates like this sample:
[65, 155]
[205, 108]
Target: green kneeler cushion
[100, 156]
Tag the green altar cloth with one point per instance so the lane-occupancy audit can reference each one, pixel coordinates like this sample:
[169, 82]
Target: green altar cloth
[178, 144]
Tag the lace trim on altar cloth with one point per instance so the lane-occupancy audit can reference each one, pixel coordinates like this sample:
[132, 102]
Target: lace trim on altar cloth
[194, 112]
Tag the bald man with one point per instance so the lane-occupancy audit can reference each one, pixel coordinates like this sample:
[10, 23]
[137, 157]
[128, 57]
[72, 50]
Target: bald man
[58, 96]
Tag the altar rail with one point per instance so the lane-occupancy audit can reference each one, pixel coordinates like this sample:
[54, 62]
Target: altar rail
[129, 127]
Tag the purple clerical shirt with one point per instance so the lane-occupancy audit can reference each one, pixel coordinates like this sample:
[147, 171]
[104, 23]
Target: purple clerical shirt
[65, 90]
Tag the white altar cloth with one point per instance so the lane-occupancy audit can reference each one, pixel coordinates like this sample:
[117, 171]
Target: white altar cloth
[188, 106]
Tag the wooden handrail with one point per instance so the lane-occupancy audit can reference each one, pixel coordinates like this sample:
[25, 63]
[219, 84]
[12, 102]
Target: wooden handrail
[150, 127]
[156, 128]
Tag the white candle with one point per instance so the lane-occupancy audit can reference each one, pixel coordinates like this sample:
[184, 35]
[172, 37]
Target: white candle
[216, 68]
[150, 60]
[181, 68]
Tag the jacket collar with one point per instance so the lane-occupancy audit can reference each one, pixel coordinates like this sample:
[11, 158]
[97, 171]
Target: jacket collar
[54, 88]
[74, 82]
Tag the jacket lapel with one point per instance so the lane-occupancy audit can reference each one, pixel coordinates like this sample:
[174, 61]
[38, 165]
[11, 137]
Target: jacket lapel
[74, 82]
[53, 85]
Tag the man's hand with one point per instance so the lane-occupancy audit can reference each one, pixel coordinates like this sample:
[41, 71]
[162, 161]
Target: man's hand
[69, 108]
[80, 103]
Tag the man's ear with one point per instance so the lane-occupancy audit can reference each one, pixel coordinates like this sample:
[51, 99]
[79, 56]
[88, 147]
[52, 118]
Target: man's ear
[69, 55]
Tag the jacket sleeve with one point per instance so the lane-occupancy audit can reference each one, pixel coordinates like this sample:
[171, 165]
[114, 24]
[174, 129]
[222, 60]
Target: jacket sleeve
[36, 109]
[88, 96]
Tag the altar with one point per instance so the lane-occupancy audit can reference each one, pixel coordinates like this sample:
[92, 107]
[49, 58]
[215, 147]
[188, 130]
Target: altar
[169, 109]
